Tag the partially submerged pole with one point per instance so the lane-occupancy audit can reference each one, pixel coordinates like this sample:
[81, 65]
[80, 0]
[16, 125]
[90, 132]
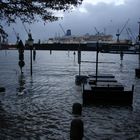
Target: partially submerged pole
[31, 70]
[79, 78]
[34, 53]
[77, 109]
[21, 62]
[79, 59]
[30, 43]
[121, 56]
[137, 71]
[97, 51]
[77, 129]
[139, 45]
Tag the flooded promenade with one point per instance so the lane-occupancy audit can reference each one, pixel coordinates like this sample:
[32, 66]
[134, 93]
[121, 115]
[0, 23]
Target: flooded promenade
[40, 107]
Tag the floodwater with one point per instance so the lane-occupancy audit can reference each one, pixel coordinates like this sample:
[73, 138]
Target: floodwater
[40, 107]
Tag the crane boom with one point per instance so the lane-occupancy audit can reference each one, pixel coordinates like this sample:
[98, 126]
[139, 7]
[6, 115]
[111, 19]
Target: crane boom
[129, 30]
[62, 29]
[128, 33]
[124, 26]
[15, 32]
[25, 28]
[96, 30]
[119, 32]
[17, 35]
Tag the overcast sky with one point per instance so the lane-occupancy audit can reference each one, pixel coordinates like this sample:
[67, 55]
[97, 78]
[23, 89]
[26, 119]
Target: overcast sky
[110, 15]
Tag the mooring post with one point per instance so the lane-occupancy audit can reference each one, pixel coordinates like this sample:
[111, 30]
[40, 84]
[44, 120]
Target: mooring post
[21, 62]
[77, 129]
[2, 89]
[77, 109]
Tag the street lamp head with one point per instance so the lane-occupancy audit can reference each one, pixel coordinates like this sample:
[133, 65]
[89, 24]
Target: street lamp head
[30, 40]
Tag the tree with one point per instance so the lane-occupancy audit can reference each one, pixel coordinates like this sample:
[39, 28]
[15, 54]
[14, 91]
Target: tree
[30, 10]
[3, 35]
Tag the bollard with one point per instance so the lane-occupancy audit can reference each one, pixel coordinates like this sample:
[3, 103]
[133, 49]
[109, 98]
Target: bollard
[76, 130]
[137, 72]
[2, 89]
[77, 109]
[21, 62]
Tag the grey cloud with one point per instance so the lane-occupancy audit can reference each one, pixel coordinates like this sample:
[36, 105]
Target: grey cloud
[100, 16]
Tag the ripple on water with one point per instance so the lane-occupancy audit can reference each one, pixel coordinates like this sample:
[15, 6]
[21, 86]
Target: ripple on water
[44, 111]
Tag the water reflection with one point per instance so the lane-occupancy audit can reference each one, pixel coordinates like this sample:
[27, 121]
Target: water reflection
[21, 89]
[74, 55]
[3, 123]
[121, 67]
[45, 111]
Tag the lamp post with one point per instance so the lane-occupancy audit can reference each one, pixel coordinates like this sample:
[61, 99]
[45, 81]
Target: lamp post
[79, 58]
[30, 43]
[97, 53]
[21, 62]
[137, 71]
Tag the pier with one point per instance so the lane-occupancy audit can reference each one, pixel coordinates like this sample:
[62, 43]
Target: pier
[103, 47]
[64, 47]
[102, 88]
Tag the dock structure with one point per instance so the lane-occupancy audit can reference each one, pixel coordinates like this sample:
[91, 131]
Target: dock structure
[106, 90]
[103, 88]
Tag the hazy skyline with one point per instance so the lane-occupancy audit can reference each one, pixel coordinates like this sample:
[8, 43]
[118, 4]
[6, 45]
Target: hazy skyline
[105, 15]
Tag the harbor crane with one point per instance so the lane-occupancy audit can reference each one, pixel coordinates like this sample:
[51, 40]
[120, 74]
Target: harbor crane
[17, 36]
[28, 32]
[131, 34]
[26, 28]
[3, 36]
[96, 31]
[128, 33]
[62, 29]
[100, 33]
[120, 31]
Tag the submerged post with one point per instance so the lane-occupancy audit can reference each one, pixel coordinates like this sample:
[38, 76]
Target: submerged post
[34, 53]
[77, 129]
[30, 43]
[97, 51]
[31, 71]
[77, 109]
[21, 62]
[79, 59]
[139, 45]
[137, 71]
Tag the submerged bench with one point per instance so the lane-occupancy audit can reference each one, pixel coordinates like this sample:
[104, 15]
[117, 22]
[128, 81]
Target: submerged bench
[93, 80]
[115, 95]
[110, 97]
[102, 76]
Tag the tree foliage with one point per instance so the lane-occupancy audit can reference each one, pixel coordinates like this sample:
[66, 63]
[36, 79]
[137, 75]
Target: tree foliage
[28, 10]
